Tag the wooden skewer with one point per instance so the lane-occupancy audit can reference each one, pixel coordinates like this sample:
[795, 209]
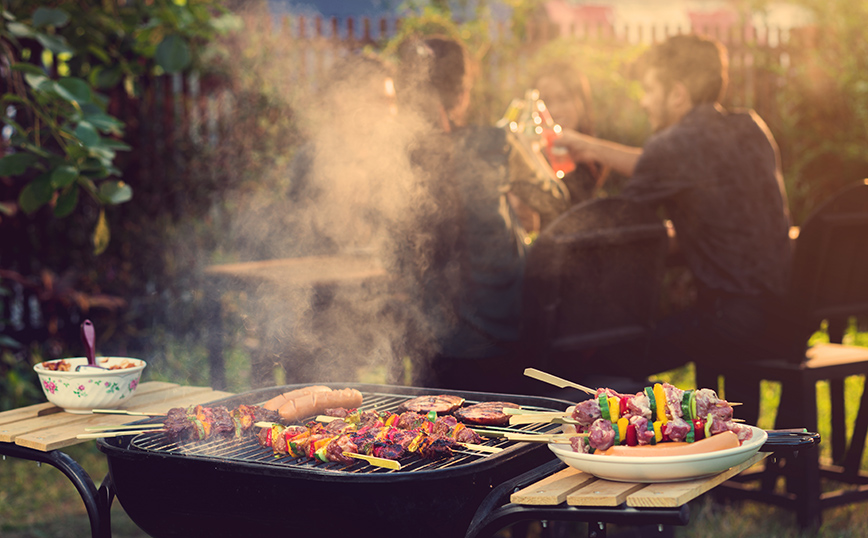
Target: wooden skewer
[553, 418]
[373, 460]
[523, 411]
[123, 412]
[555, 380]
[126, 427]
[482, 448]
[112, 434]
[552, 438]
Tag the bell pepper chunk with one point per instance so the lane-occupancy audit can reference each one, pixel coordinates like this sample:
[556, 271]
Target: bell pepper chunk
[660, 396]
[614, 408]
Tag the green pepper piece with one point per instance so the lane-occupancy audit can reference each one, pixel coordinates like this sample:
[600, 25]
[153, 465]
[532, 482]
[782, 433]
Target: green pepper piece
[708, 421]
[652, 401]
[432, 416]
[685, 405]
[693, 404]
[651, 429]
[604, 406]
[691, 435]
[320, 453]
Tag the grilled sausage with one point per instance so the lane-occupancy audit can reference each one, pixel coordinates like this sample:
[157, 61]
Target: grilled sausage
[721, 441]
[275, 403]
[314, 403]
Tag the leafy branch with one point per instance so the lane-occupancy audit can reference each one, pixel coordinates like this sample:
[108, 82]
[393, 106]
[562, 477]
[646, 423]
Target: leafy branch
[60, 140]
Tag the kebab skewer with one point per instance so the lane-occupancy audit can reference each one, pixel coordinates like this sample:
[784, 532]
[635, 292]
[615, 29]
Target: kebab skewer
[382, 435]
[658, 414]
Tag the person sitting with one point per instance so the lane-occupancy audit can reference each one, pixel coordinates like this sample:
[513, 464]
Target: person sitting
[471, 285]
[716, 174]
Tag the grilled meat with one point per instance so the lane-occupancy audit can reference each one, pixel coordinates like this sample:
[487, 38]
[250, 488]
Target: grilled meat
[197, 423]
[442, 404]
[486, 413]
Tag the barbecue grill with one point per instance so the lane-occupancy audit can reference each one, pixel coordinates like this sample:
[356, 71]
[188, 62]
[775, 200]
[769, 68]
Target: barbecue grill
[237, 488]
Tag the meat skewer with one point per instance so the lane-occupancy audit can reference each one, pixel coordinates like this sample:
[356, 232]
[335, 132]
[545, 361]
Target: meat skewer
[382, 435]
[659, 413]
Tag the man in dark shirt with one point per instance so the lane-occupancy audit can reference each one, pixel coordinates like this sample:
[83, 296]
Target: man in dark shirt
[717, 176]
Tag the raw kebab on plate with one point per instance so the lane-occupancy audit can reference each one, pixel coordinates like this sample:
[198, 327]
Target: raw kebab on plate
[658, 414]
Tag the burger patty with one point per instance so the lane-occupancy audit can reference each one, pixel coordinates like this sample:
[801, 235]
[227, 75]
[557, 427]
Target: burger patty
[442, 404]
[485, 413]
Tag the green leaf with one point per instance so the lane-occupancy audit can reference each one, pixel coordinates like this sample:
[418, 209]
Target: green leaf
[19, 30]
[87, 134]
[49, 17]
[101, 234]
[100, 77]
[16, 164]
[39, 82]
[115, 192]
[63, 176]
[56, 44]
[28, 68]
[74, 90]
[173, 54]
[104, 122]
[66, 202]
[113, 144]
[36, 194]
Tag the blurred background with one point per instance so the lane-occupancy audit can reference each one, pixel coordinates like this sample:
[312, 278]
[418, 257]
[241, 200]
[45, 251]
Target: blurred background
[145, 141]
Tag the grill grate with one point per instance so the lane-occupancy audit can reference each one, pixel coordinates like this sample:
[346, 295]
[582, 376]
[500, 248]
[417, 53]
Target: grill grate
[248, 449]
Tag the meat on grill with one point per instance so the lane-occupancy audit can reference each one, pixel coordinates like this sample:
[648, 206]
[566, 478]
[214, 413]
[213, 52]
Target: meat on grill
[486, 413]
[197, 423]
[442, 404]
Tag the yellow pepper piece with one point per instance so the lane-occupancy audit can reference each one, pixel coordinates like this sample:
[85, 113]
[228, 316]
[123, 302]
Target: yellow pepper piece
[660, 398]
[658, 430]
[614, 409]
[414, 444]
[622, 429]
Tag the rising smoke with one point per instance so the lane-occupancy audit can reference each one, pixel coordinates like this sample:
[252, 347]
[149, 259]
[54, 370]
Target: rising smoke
[351, 185]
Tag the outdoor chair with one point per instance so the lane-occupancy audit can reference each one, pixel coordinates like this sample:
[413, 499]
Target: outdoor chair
[829, 282]
[593, 278]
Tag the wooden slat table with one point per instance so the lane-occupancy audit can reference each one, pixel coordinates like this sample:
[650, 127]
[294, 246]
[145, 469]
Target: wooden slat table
[565, 493]
[39, 431]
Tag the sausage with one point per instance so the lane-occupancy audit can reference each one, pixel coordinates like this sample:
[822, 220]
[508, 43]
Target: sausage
[314, 403]
[275, 403]
[721, 441]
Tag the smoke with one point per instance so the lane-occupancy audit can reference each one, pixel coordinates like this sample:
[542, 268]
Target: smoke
[352, 190]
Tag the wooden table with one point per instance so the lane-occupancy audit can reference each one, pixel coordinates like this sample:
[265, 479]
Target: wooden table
[39, 431]
[567, 494]
[287, 280]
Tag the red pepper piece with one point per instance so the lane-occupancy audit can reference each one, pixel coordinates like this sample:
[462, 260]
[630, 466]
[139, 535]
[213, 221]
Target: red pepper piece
[623, 405]
[698, 429]
[632, 438]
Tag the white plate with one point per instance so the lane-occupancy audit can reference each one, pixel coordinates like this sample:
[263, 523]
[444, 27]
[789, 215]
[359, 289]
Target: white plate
[662, 468]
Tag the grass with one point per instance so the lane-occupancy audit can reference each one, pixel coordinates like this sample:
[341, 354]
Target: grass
[38, 501]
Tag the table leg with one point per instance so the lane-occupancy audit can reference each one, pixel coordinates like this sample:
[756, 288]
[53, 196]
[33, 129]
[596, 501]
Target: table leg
[100, 520]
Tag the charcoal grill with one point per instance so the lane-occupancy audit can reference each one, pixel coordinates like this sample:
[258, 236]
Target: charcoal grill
[237, 488]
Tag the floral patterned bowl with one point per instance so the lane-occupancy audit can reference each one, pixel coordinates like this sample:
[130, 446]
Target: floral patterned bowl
[80, 392]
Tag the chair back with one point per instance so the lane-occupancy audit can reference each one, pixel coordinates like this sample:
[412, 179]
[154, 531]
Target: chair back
[593, 277]
[830, 262]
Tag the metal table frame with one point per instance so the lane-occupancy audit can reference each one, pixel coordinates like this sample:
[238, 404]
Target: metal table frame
[96, 501]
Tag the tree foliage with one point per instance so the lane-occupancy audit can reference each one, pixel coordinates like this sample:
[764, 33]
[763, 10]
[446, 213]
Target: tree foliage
[58, 58]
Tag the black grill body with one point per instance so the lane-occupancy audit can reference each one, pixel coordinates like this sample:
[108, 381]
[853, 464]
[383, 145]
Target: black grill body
[237, 488]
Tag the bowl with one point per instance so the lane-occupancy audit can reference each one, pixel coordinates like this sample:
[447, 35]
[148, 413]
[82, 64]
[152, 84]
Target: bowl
[661, 468]
[81, 392]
